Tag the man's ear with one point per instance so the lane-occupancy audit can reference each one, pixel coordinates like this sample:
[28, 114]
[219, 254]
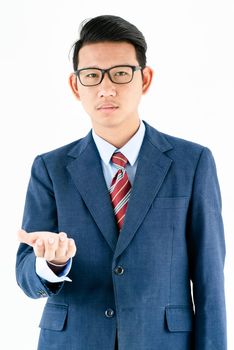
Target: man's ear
[147, 78]
[73, 85]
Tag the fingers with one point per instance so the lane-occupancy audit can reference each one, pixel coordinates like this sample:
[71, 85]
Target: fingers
[56, 248]
[22, 235]
[27, 238]
[39, 248]
[51, 244]
[71, 248]
[61, 251]
[62, 245]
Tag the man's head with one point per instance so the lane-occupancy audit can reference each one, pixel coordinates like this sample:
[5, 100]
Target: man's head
[110, 73]
[110, 28]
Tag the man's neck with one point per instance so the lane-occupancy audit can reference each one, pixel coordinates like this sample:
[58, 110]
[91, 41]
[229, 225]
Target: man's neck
[118, 137]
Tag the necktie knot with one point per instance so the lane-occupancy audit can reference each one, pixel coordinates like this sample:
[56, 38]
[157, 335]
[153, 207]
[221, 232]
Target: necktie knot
[119, 160]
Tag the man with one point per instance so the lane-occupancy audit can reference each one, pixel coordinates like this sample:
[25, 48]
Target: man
[142, 208]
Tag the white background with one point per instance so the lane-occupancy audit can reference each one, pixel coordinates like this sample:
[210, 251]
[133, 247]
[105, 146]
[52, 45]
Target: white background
[191, 49]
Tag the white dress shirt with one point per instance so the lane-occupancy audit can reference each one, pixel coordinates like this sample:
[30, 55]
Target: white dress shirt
[130, 150]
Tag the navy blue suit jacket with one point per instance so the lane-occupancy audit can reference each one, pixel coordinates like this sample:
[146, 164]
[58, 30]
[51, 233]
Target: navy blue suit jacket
[168, 292]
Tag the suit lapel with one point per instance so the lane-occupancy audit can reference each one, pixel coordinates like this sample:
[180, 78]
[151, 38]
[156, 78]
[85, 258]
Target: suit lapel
[152, 168]
[87, 174]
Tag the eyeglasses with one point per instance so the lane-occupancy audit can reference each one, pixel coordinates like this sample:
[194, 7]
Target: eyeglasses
[117, 74]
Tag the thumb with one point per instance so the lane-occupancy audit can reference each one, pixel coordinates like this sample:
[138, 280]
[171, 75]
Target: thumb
[25, 237]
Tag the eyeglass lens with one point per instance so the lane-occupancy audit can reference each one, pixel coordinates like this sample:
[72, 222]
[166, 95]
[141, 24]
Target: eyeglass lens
[93, 76]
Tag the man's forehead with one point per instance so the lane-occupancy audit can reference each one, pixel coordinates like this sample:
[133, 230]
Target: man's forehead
[107, 53]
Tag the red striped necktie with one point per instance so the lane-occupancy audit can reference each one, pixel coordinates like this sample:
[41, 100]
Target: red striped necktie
[120, 188]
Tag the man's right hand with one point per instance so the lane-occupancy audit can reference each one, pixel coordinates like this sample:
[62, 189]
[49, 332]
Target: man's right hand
[55, 248]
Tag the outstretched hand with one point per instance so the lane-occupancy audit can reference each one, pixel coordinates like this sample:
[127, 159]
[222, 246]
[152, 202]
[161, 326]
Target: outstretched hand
[55, 248]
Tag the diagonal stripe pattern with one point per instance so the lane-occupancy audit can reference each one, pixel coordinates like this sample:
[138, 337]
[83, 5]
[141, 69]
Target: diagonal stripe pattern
[120, 188]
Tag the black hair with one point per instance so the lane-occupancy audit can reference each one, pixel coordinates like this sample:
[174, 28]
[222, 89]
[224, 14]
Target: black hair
[110, 28]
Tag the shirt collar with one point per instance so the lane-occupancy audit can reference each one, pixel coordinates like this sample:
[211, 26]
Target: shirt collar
[130, 150]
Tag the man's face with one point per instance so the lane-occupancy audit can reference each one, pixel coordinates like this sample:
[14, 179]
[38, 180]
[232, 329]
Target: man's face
[109, 104]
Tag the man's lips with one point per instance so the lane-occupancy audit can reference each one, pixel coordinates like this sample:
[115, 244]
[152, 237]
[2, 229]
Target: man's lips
[107, 106]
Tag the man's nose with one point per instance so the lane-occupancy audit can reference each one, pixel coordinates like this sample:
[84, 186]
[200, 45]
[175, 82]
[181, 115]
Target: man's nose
[106, 87]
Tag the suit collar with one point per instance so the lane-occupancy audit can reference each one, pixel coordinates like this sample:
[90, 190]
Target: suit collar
[86, 172]
[81, 146]
[154, 136]
[157, 139]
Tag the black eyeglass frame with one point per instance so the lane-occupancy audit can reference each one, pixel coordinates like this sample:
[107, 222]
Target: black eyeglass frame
[103, 71]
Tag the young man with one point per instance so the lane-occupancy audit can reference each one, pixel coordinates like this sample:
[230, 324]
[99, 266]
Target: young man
[142, 208]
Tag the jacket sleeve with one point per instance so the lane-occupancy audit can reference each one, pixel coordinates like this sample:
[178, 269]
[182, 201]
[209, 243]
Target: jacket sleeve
[207, 255]
[40, 214]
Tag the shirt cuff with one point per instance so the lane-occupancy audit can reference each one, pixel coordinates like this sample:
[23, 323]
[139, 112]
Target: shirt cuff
[43, 271]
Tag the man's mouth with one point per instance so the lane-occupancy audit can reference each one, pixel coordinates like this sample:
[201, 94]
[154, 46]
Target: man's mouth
[107, 107]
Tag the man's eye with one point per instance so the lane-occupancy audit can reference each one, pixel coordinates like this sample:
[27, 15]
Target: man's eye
[121, 73]
[91, 75]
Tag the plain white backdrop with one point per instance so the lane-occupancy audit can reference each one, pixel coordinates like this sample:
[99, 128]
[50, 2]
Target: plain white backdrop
[191, 49]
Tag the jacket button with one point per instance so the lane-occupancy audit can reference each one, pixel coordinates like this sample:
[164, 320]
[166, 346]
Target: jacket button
[119, 270]
[109, 313]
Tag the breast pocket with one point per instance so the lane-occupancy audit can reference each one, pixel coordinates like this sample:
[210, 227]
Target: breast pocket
[54, 317]
[168, 212]
[171, 202]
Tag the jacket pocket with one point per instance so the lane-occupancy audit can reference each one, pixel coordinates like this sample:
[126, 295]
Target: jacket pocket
[171, 202]
[179, 318]
[54, 317]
